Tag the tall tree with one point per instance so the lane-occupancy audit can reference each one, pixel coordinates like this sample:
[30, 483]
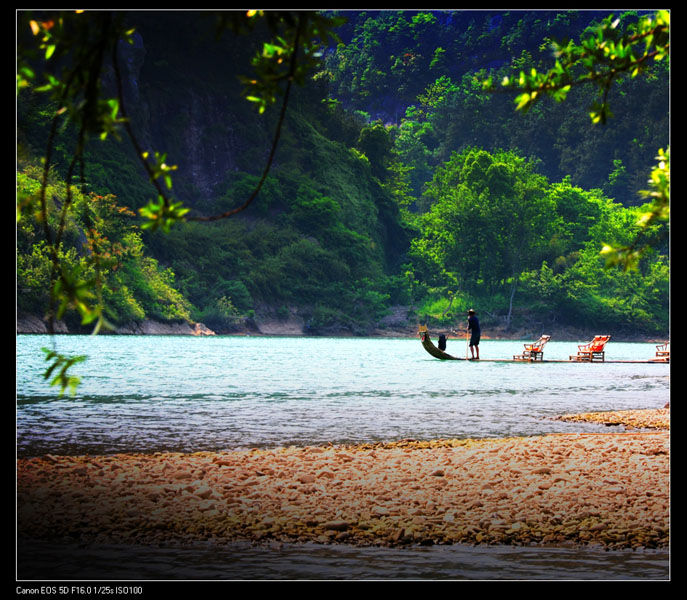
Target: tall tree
[491, 219]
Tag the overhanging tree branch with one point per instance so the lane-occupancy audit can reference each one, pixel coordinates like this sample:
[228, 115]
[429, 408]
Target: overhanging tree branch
[275, 141]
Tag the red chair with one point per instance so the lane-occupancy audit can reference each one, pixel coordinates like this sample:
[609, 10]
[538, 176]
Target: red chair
[534, 351]
[663, 352]
[593, 351]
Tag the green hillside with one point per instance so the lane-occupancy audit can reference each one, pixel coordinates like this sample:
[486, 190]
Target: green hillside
[397, 181]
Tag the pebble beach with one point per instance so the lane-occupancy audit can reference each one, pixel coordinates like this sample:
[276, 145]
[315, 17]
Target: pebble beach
[607, 489]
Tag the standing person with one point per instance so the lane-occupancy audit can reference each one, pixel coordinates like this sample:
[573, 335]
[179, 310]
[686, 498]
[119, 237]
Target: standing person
[473, 328]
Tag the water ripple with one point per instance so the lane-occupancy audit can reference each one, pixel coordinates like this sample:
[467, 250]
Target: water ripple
[179, 393]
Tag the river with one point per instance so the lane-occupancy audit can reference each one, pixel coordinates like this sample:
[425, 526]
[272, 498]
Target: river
[182, 393]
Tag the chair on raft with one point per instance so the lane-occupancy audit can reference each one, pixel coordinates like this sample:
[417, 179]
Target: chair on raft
[593, 351]
[534, 351]
[663, 353]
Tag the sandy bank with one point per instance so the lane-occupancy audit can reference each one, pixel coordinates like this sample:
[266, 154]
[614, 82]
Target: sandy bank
[631, 419]
[610, 489]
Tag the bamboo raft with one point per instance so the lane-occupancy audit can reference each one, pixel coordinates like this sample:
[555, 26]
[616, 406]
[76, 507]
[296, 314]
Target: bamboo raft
[432, 349]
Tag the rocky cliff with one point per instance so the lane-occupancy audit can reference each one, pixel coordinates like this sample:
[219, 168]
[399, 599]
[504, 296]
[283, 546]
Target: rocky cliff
[182, 93]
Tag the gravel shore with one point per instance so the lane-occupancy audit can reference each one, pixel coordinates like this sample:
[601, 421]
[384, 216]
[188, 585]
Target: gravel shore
[630, 419]
[609, 489]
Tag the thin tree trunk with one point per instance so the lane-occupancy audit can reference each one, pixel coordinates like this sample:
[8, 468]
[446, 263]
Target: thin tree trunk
[450, 303]
[513, 287]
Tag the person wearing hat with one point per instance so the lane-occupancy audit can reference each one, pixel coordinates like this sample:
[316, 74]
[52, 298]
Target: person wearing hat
[474, 330]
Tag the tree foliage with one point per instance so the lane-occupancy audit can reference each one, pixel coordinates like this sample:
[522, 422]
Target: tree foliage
[599, 59]
[101, 256]
[616, 47]
[75, 47]
[496, 227]
[71, 50]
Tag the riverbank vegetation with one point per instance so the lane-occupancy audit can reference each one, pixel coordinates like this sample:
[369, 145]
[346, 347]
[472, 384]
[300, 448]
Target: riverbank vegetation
[398, 181]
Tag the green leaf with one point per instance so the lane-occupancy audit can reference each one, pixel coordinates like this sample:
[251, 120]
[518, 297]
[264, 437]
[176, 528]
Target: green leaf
[162, 215]
[523, 101]
[62, 363]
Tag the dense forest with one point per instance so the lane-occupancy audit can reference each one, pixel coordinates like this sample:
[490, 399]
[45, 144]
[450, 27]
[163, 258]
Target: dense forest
[399, 187]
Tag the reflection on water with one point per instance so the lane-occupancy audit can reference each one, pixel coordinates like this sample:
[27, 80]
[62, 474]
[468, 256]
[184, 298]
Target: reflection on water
[317, 562]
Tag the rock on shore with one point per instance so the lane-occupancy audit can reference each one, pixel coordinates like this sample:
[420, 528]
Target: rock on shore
[609, 489]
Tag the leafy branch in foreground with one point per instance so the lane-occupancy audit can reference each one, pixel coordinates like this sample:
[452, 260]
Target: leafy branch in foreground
[649, 222]
[292, 52]
[599, 59]
[71, 49]
[62, 364]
